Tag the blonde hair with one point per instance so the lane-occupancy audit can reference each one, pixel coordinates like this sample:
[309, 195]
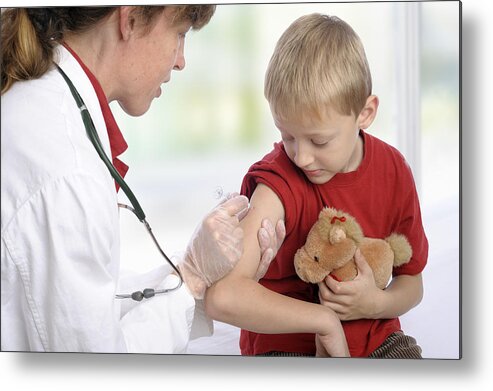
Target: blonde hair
[318, 63]
[29, 35]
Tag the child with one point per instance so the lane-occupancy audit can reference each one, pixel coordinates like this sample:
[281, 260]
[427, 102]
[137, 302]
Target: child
[318, 85]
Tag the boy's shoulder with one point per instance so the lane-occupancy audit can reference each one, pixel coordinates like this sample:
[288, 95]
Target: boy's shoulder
[276, 161]
[277, 171]
[276, 156]
[382, 151]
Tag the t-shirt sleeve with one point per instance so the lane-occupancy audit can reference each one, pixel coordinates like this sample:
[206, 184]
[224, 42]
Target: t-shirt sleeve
[275, 171]
[410, 224]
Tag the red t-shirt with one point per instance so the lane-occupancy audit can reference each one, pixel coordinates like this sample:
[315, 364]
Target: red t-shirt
[380, 194]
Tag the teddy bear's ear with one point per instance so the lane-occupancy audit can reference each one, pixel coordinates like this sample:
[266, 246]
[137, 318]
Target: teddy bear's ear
[331, 217]
[353, 229]
[327, 213]
[324, 221]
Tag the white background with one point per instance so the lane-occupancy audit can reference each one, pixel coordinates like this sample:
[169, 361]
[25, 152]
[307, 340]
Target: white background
[175, 183]
[80, 371]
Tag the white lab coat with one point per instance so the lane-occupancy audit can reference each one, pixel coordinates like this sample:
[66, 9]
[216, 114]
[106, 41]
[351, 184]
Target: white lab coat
[60, 235]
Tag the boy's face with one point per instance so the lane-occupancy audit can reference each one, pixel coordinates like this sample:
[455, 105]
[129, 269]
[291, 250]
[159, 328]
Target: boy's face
[322, 149]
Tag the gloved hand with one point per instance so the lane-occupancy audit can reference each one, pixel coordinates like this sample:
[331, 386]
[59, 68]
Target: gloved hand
[217, 245]
[270, 240]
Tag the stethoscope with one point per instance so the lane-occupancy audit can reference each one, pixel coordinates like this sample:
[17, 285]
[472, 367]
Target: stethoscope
[137, 210]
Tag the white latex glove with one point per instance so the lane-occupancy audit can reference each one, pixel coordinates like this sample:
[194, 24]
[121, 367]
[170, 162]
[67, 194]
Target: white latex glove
[216, 245]
[270, 241]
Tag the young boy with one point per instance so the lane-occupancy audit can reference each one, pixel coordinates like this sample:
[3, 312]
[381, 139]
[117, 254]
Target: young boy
[318, 85]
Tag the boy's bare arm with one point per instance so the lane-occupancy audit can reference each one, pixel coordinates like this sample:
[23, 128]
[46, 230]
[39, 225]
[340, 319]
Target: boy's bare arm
[403, 293]
[238, 299]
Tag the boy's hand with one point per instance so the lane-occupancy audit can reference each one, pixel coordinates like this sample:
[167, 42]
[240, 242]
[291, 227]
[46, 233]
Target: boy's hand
[332, 344]
[356, 299]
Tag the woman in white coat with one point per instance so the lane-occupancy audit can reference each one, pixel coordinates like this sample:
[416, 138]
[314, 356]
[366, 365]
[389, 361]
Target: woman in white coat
[60, 267]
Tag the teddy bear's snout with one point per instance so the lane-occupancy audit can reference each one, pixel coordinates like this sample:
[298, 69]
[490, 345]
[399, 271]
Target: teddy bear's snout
[309, 266]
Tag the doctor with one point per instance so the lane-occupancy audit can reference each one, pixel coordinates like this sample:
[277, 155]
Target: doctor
[60, 268]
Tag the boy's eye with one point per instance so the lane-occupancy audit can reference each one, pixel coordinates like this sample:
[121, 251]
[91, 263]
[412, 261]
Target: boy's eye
[319, 143]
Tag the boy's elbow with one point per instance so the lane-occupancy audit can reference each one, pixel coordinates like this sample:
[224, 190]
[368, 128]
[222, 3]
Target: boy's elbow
[420, 295]
[419, 289]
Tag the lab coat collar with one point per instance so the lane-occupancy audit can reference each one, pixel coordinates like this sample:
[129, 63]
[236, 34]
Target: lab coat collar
[91, 92]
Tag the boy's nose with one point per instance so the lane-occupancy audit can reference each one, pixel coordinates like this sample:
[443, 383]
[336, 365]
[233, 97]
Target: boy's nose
[303, 158]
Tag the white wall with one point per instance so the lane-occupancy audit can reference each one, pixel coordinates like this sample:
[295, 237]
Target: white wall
[178, 188]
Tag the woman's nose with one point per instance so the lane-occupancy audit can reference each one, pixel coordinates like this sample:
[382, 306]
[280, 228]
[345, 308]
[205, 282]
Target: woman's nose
[180, 63]
[180, 60]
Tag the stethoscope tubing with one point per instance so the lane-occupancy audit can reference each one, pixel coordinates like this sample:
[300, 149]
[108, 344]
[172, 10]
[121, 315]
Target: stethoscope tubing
[137, 209]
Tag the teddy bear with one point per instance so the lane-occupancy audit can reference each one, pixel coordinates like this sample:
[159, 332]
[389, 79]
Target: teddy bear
[332, 243]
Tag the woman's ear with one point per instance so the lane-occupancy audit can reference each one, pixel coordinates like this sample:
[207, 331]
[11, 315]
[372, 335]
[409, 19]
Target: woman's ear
[127, 22]
[369, 112]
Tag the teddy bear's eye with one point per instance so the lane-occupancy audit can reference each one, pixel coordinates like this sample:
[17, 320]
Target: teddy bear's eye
[316, 259]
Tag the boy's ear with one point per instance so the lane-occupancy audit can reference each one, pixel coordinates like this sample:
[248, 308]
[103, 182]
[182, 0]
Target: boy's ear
[369, 112]
[127, 22]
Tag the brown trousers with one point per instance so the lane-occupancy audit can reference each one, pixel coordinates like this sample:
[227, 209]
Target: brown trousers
[397, 345]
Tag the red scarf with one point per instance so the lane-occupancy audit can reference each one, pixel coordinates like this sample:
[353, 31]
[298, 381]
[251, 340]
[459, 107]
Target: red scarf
[118, 144]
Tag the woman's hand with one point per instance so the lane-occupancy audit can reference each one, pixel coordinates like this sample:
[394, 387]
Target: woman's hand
[217, 245]
[356, 299]
[270, 240]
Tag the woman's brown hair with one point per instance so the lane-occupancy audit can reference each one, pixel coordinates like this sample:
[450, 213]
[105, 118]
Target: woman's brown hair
[29, 35]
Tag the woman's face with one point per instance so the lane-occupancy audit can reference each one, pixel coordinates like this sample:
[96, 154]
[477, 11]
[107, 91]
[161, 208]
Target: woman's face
[151, 59]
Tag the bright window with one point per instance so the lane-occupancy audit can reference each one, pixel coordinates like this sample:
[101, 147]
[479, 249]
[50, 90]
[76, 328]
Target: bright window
[212, 122]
